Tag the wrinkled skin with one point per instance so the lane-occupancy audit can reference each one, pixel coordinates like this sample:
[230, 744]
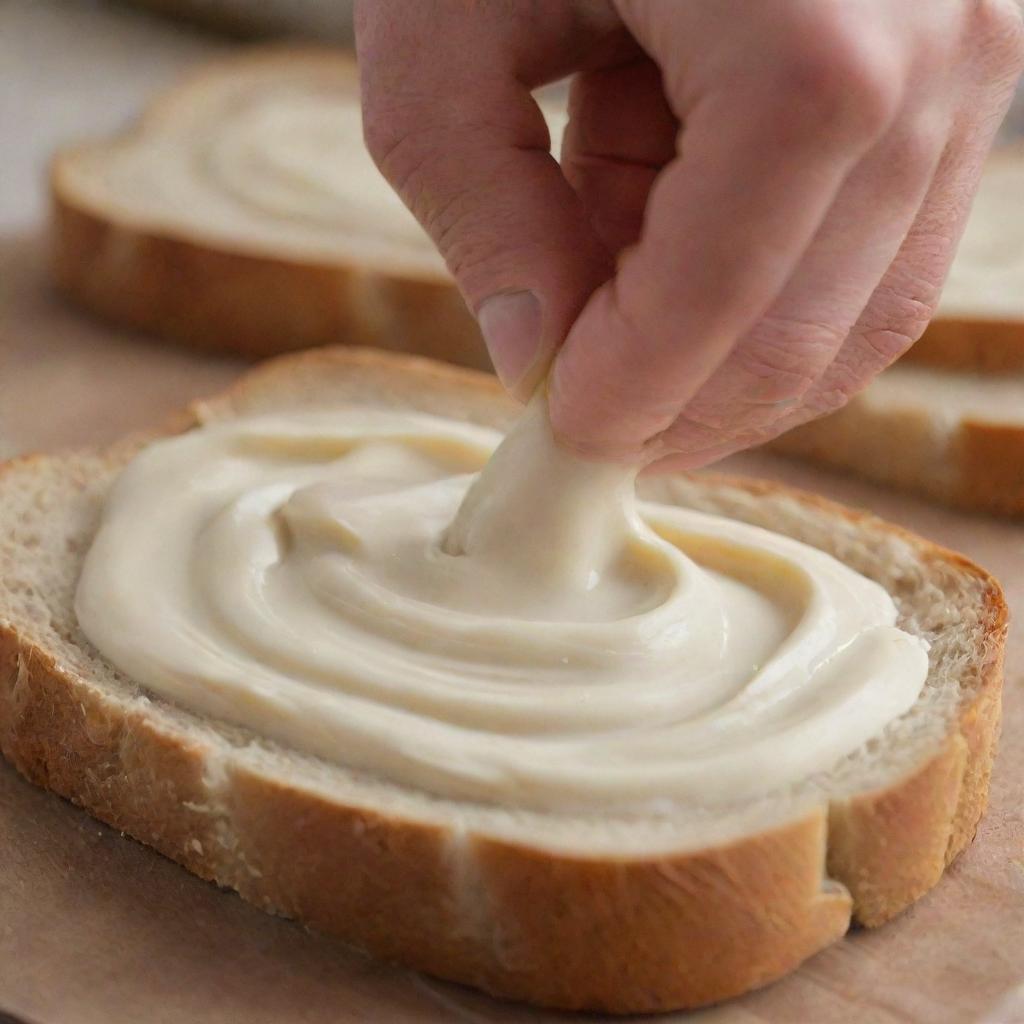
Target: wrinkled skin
[757, 204]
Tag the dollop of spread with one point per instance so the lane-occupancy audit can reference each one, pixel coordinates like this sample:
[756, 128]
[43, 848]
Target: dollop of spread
[376, 588]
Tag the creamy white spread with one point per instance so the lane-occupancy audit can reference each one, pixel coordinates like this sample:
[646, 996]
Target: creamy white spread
[298, 155]
[546, 641]
[273, 166]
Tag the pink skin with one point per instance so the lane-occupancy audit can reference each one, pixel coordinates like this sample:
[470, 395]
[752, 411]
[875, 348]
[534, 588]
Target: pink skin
[756, 208]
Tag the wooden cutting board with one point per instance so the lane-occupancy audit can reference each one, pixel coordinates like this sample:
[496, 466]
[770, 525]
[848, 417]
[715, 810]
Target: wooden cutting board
[96, 929]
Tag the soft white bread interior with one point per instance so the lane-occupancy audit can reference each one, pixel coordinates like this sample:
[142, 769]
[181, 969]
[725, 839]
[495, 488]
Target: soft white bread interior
[953, 435]
[243, 212]
[987, 278]
[623, 914]
[948, 420]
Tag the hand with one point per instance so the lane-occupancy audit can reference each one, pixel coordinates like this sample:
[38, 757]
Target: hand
[756, 208]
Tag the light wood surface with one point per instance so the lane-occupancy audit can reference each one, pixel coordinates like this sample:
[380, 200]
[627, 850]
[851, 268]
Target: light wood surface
[96, 928]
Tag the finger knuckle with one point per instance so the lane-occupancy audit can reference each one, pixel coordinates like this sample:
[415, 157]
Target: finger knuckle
[998, 28]
[391, 139]
[381, 132]
[719, 418]
[407, 155]
[881, 348]
[829, 400]
[834, 78]
[786, 354]
[693, 432]
[740, 408]
[900, 311]
[638, 314]
[766, 386]
[766, 375]
[872, 352]
[910, 154]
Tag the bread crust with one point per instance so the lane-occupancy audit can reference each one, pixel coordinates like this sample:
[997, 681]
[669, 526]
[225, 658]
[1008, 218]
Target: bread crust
[973, 342]
[210, 297]
[978, 466]
[619, 934]
[248, 300]
[970, 345]
[990, 457]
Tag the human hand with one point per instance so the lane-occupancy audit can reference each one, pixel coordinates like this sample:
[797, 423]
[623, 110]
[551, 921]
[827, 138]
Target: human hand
[756, 208]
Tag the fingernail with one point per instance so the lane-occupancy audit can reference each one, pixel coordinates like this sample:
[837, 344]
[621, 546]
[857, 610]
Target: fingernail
[511, 324]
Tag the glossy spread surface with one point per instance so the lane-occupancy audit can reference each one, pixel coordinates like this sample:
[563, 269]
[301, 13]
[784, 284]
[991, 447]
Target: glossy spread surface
[298, 155]
[547, 642]
[268, 163]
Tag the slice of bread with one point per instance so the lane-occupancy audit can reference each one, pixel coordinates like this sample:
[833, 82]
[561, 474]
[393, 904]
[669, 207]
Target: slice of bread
[195, 225]
[617, 913]
[954, 436]
[948, 420]
[979, 326]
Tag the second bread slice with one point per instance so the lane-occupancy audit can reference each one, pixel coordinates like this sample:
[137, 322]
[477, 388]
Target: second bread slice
[243, 213]
[948, 420]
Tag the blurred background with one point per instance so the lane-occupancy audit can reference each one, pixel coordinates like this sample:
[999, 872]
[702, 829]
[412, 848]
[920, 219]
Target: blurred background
[75, 68]
[83, 69]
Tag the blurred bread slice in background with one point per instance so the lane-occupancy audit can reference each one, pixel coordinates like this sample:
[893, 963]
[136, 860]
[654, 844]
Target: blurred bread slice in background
[243, 213]
[324, 20]
[948, 420]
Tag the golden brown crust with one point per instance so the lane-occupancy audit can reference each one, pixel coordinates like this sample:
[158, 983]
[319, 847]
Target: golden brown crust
[125, 768]
[976, 343]
[978, 466]
[885, 874]
[576, 933]
[210, 297]
[971, 345]
[990, 457]
[620, 934]
[689, 929]
[319, 372]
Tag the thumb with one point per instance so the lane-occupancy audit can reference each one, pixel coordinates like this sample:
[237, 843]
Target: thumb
[469, 153]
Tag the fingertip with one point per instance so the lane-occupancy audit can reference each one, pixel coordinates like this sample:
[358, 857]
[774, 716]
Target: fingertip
[610, 391]
[512, 324]
[580, 422]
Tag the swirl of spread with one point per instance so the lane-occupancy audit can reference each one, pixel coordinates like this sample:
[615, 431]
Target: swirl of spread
[351, 584]
[296, 154]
